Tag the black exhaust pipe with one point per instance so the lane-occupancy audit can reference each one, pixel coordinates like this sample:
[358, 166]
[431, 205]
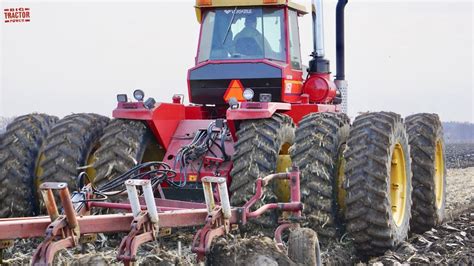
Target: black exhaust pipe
[340, 52]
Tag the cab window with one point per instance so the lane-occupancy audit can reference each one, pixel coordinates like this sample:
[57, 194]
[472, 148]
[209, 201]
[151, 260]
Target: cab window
[295, 50]
[242, 33]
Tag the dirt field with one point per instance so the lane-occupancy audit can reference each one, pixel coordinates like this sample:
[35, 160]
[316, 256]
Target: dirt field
[451, 243]
[460, 155]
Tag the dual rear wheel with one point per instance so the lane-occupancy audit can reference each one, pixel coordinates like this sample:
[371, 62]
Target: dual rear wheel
[19, 149]
[378, 182]
[363, 181]
[39, 148]
[359, 179]
[395, 179]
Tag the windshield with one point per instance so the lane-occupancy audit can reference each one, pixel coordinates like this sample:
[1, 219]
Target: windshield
[242, 33]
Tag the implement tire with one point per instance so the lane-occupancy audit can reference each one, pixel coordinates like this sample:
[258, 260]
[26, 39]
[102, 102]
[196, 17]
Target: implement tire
[425, 134]
[125, 144]
[19, 148]
[319, 142]
[256, 152]
[378, 183]
[303, 247]
[69, 147]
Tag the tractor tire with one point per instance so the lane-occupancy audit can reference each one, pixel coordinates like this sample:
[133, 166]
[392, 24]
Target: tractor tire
[19, 148]
[125, 144]
[69, 148]
[256, 153]
[319, 142]
[303, 247]
[425, 135]
[378, 183]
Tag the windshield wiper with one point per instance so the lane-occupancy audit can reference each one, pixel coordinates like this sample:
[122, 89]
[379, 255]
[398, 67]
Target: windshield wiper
[230, 25]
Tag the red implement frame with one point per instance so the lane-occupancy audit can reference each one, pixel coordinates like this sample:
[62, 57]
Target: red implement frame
[63, 231]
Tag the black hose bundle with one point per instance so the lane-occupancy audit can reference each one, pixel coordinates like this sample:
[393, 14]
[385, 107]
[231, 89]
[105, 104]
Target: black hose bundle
[199, 146]
[157, 172]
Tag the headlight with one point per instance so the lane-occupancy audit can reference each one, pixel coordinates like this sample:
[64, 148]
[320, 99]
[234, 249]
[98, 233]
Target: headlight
[139, 95]
[122, 98]
[248, 94]
[150, 103]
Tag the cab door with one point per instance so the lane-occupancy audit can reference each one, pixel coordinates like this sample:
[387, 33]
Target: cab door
[293, 76]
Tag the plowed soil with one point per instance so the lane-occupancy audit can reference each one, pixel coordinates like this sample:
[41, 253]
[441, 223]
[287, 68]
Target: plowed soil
[449, 243]
[460, 155]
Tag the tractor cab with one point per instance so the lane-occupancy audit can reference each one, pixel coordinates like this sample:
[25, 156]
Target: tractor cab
[247, 45]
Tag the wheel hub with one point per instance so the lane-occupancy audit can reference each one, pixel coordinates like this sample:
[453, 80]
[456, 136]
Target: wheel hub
[398, 185]
[282, 187]
[341, 192]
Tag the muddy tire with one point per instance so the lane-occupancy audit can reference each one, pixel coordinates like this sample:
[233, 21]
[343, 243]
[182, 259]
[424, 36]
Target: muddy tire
[69, 147]
[303, 247]
[124, 144]
[19, 148]
[319, 142]
[256, 153]
[378, 182]
[425, 134]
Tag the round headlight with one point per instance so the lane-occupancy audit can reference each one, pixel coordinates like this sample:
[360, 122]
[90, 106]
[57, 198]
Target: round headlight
[139, 95]
[248, 94]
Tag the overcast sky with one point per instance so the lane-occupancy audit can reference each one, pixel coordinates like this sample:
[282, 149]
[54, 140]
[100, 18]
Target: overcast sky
[75, 56]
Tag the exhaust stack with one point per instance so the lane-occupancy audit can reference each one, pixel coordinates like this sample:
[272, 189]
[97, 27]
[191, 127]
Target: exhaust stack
[340, 81]
[318, 64]
[318, 28]
[340, 43]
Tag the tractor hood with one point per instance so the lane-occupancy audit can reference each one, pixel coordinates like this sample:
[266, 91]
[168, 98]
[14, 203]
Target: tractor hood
[209, 82]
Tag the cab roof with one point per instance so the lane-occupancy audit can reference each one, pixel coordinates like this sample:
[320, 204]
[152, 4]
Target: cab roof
[242, 3]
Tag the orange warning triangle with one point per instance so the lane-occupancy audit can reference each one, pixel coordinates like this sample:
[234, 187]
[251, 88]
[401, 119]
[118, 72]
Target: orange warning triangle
[236, 90]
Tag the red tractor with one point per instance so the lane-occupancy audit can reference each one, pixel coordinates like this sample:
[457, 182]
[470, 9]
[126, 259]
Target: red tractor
[253, 111]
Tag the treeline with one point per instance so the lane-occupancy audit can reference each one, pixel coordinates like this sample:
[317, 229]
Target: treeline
[457, 132]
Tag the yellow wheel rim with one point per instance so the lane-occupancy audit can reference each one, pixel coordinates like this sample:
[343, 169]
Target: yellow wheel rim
[90, 171]
[282, 187]
[341, 192]
[398, 185]
[439, 174]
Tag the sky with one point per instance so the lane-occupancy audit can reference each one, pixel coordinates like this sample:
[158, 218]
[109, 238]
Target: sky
[75, 56]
